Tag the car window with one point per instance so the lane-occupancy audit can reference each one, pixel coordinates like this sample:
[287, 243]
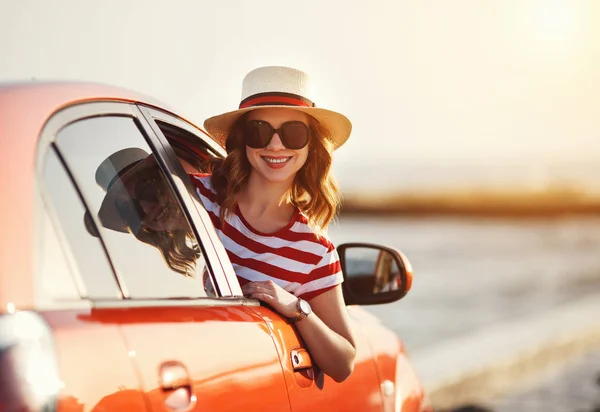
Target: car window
[191, 151]
[86, 252]
[54, 280]
[137, 213]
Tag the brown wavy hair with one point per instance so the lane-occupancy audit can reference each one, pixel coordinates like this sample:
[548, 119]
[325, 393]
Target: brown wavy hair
[178, 247]
[174, 246]
[314, 190]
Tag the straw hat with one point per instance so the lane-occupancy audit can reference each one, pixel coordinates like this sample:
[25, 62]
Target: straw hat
[112, 175]
[276, 87]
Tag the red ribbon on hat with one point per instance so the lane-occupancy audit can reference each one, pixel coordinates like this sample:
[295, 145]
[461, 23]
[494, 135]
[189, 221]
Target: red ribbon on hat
[276, 99]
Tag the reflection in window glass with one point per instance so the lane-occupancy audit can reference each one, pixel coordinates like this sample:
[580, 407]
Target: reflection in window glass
[145, 230]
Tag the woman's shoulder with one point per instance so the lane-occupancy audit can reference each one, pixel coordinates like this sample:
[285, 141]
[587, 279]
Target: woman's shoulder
[200, 176]
[204, 186]
[310, 233]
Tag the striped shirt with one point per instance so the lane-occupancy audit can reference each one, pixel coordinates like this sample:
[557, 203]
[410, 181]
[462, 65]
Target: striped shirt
[293, 257]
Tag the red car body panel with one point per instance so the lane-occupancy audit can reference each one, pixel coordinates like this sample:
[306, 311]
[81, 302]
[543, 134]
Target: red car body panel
[191, 335]
[83, 347]
[305, 386]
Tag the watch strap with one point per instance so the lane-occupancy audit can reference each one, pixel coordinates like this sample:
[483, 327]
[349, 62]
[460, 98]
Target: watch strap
[301, 314]
[298, 318]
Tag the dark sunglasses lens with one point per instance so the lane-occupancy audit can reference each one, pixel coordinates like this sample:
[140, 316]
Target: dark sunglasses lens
[294, 135]
[257, 134]
[131, 212]
[147, 189]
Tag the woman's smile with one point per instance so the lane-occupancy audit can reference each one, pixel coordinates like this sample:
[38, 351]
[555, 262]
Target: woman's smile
[276, 162]
[156, 213]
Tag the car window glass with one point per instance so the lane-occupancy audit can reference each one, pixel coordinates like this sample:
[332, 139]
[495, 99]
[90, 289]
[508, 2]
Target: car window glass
[55, 281]
[87, 252]
[138, 215]
[191, 151]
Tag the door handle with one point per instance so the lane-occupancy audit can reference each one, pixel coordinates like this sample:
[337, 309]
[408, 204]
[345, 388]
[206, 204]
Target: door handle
[175, 382]
[300, 359]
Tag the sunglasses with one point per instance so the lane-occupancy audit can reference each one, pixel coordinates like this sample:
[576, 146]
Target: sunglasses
[150, 187]
[293, 134]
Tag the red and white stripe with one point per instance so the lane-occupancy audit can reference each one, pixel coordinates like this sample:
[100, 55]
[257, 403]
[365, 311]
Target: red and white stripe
[293, 257]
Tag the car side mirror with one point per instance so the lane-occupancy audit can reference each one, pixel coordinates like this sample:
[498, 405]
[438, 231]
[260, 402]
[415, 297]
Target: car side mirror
[373, 274]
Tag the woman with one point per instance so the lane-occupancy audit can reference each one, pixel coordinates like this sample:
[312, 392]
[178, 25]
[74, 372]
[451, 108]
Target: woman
[271, 200]
[138, 200]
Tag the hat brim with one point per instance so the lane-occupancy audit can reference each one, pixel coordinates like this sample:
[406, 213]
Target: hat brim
[338, 125]
[108, 213]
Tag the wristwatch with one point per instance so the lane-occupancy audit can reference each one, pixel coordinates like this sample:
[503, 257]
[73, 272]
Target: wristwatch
[304, 310]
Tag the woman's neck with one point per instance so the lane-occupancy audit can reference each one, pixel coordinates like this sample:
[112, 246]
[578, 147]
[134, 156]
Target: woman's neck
[261, 197]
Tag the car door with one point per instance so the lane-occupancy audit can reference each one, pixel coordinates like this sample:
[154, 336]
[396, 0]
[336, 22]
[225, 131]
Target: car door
[308, 388]
[194, 344]
[308, 391]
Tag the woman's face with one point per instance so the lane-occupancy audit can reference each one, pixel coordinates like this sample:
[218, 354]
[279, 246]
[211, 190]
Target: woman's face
[275, 162]
[149, 202]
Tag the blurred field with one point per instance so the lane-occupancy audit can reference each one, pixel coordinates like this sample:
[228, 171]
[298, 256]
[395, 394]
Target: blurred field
[555, 201]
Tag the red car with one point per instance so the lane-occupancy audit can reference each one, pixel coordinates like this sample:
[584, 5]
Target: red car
[94, 318]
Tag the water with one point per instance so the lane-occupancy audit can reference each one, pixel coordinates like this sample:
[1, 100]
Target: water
[473, 273]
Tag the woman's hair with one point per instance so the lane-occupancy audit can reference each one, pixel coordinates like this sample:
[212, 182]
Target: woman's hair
[174, 246]
[314, 190]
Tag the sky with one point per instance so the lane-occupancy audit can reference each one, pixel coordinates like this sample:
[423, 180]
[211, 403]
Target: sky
[483, 91]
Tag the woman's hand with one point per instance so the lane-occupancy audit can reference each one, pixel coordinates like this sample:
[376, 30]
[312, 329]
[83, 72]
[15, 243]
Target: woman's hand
[282, 301]
[327, 333]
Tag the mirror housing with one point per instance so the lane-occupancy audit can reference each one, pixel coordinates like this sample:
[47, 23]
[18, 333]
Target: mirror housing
[373, 274]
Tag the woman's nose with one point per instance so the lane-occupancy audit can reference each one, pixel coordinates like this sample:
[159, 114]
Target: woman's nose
[275, 143]
[148, 205]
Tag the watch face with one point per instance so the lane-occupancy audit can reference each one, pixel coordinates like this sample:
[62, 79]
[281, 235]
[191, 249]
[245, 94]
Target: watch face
[305, 307]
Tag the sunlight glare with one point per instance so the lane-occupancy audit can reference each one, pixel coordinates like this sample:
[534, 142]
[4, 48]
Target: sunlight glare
[556, 22]
[11, 308]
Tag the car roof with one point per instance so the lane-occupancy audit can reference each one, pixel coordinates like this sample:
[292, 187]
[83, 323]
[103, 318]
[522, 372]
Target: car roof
[25, 107]
[46, 97]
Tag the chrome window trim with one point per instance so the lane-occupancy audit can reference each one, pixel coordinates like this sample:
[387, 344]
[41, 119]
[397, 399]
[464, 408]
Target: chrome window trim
[200, 302]
[83, 303]
[176, 172]
[201, 217]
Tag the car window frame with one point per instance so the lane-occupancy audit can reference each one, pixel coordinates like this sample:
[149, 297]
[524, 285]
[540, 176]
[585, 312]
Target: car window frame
[57, 121]
[90, 109]
[151, 115]
[147, 273]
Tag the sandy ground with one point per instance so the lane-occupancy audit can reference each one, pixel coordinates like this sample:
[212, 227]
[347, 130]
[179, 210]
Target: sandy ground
[575, 387]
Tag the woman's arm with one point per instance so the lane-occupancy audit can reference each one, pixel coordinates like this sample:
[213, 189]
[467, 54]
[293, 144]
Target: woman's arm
[328, 335]
[326, 331]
